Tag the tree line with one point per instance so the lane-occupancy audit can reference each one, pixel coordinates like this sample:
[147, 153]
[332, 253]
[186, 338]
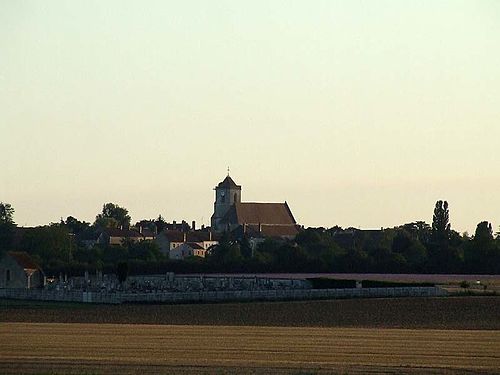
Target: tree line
[416, 247]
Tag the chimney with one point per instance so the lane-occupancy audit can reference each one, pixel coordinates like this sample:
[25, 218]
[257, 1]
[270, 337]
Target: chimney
[193, 225]
[174, 225]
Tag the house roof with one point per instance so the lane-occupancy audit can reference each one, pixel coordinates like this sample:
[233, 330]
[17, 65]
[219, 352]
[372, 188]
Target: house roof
[148, 233]
[23, 259]
[228, 183]
[178, 236]
[198, 236]
[122, 233]
[259, 213]
[205, 235]
[194, 245]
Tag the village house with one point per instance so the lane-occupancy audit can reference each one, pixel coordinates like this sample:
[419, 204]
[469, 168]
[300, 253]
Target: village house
[18, 270]
[187, 249]
[170, 240]
[116, 236]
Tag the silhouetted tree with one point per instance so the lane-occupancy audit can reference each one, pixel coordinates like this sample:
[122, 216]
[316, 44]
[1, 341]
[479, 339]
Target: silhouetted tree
[160, 223]
[6, 213]
[122, 271]
[482, 252]
[113, 216]
[7, 227]
[442, 257]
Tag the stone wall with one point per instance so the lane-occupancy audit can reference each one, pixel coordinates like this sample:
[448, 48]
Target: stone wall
[169, 282]
[215, 296]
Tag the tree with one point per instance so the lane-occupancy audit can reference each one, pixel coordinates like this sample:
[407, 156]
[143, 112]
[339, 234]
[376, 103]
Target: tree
[441, 222]
[160, 223]
[148, 251]
[245, 247]
[411, 249]
[122, 271]
[51, 244]
[113, 216]
[6, 213]
[75, 226]
[419, 230]
[7, 227]
[442, 256]
[484, 232]
[482, 253]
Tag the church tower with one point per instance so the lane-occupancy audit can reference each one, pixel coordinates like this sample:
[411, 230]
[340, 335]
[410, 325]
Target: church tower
[227, 193]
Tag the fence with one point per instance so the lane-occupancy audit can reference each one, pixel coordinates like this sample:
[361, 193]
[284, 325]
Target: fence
[216, 296]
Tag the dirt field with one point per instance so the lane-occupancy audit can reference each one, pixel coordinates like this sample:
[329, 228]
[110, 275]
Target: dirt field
[456, 335]
[148, 349]
[436, 313]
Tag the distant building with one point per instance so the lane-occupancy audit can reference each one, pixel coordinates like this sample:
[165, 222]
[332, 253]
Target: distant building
[187, 249]
[257, 219]
[169, 240]
[116, 236]
[18, 270]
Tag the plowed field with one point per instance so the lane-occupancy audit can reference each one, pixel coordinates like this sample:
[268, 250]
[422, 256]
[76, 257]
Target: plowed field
[148, 349]
[437, 313]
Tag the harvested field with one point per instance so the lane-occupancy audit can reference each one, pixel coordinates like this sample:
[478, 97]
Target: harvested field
[148, 349]
[436, 313]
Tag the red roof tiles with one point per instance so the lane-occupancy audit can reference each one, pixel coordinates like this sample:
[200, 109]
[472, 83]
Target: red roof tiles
[259, 213]
[23, 259]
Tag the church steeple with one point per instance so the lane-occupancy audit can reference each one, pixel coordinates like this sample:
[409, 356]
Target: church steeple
[227, 193]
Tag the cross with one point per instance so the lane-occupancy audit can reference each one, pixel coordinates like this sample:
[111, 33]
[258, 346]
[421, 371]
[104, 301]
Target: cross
[228, 171]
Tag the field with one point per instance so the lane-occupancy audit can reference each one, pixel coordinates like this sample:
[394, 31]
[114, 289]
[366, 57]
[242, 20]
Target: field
[414, 313]
[459, 335]
[148, 349]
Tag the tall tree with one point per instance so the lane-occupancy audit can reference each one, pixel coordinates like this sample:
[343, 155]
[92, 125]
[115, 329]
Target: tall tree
[113, 216]
[6, 227]
[441, 222]
[482, 253]
[6, 213]
[75, 226]
[160, 223]
[442, 256]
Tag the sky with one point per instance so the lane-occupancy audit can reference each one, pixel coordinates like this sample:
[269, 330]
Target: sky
[357, 113]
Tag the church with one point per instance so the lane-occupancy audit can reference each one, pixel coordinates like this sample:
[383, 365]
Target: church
[253, 219]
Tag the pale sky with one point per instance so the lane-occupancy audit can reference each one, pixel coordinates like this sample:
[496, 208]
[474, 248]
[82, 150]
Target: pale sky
[357, 113]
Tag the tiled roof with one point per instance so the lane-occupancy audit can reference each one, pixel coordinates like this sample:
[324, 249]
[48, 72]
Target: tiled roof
[198, 236]
[194, 245]
[228, 183]
[259, 213]
[148, 233]
[122, 233]
[23, 259]
[204, 235]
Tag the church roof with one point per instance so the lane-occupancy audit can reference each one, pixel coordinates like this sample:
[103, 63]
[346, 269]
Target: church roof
[23, 259]
[266, 230]
[228, 183]
[259, 213]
